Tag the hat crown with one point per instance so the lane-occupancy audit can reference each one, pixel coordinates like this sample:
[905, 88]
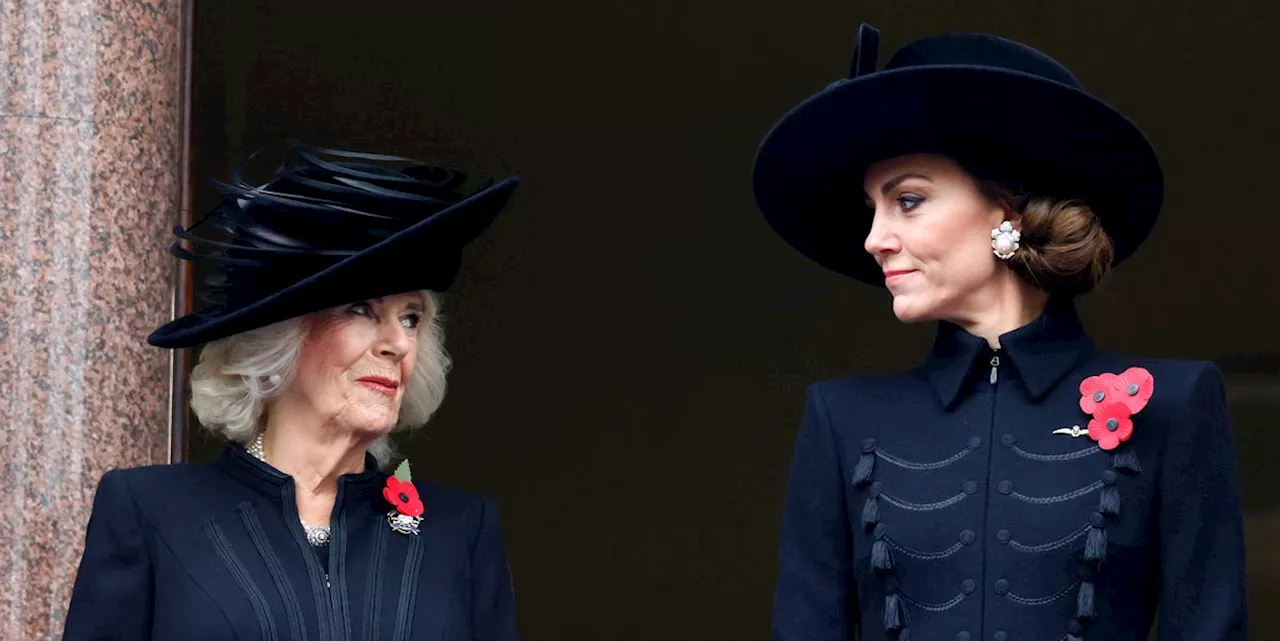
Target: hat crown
[980, 50]
[322, 206]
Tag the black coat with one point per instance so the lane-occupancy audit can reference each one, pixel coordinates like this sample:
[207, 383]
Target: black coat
[193, 553]
[938, 504]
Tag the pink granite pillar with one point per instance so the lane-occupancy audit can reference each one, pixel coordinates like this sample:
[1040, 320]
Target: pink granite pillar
[90, 137]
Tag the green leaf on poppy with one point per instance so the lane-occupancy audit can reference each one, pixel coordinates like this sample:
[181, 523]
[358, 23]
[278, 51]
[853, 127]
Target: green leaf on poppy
[402, 471]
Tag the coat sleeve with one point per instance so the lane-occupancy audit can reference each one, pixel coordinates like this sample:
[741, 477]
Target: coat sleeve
[113, 589]
[493, 613]
[815, 598]
[1202, 580]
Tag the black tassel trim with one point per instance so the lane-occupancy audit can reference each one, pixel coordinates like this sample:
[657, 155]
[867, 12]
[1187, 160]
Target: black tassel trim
[1109, 504]
[866, 466]
[1095, 546]
[1084, 601]
[881, 558]
[1126, 460]
[871, 512]
[894, 617]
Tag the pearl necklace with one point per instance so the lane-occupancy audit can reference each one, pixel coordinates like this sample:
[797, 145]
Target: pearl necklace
[317, 535]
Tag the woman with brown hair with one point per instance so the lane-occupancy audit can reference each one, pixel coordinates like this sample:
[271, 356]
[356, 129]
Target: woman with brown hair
[1021, 484]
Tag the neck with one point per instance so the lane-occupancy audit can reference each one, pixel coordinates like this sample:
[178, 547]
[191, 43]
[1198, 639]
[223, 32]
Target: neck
[1008, 305]
[316, 454]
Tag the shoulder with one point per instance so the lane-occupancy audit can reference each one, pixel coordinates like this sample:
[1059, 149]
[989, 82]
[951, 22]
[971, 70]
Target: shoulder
[142, 483]
[160, 493]
[868, 384]
[448, 503]
[1176, 383]
[862, 393]
[1181, 372]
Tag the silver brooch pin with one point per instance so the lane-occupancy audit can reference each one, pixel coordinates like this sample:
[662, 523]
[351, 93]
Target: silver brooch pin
[1075, 431]
[403, 523]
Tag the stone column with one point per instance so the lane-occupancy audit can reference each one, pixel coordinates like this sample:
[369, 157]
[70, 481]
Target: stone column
[90, 180]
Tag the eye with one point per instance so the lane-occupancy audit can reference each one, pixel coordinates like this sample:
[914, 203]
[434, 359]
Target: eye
[909, 202]
[362, 309]
[411, 321]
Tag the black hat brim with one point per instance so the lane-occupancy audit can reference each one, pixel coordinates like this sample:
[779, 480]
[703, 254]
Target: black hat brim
[425, 255]
[1054, 139]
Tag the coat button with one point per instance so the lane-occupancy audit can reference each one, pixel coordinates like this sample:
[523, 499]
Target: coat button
[1074, 627]
[967, 537]
[1003, 536]
[875, 490]
[974, 442]
[963, 635]
[890, 585]
[1002, 587]
[1006, 487]
[868, 446]
[970, 487]
[1097, 520]
[1001, 636]
[968, 586]
[879, 532]
[1086, 573]
[1008, 440]
[1109, 477]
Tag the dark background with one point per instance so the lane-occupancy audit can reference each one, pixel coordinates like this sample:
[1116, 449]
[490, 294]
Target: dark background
[633, 343]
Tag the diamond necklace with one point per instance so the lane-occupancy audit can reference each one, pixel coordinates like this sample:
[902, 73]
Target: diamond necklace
[317, 535]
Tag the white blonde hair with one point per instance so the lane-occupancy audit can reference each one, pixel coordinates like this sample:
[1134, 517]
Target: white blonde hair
[237, 375]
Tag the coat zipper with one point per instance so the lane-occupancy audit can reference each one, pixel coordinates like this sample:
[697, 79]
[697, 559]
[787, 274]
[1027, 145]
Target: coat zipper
[335, 532]
[994, 378]
[328, 607]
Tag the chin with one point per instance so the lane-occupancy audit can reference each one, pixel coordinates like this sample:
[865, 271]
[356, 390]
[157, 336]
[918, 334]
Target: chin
[374, 424]
[912, 311]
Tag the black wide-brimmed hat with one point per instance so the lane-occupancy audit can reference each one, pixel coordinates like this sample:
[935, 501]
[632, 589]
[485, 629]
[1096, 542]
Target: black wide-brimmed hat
[330, 227]
[1001, 109]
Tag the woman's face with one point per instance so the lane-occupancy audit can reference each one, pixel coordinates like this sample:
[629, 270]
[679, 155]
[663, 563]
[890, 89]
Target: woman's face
[356, 360]
[931, 234]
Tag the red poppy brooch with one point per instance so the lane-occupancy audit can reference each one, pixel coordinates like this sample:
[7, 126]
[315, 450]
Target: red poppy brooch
[1111, 400]
[402, 494]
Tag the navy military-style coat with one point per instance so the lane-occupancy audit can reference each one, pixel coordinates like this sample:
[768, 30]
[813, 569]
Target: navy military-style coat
[196, 553]
[954, 502]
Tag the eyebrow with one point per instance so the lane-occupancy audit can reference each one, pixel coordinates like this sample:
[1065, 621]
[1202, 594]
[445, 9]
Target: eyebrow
[413, 306]
[898, 180]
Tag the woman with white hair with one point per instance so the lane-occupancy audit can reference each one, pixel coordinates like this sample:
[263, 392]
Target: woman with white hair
[325, 338]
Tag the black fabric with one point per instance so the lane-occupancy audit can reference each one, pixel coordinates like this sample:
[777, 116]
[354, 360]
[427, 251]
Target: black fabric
[196, 553]
[939, 503]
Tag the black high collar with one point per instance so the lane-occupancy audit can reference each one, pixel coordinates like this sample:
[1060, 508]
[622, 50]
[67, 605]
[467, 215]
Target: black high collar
[242, 466]
[1042, 352]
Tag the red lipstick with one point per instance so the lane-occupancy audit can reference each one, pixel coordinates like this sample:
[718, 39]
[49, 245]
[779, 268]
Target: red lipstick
[892, 275]
[380, 384]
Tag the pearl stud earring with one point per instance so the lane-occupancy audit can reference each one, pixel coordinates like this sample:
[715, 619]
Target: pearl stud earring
[1004, 240]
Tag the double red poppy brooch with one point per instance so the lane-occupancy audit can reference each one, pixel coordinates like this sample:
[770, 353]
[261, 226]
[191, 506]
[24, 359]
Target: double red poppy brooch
[1111, 400]
[402, 494]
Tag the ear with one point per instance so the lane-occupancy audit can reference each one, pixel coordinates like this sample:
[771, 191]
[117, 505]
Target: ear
[1002, 212]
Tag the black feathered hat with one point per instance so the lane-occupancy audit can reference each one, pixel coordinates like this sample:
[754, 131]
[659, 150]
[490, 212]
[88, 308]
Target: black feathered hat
[330, 227]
